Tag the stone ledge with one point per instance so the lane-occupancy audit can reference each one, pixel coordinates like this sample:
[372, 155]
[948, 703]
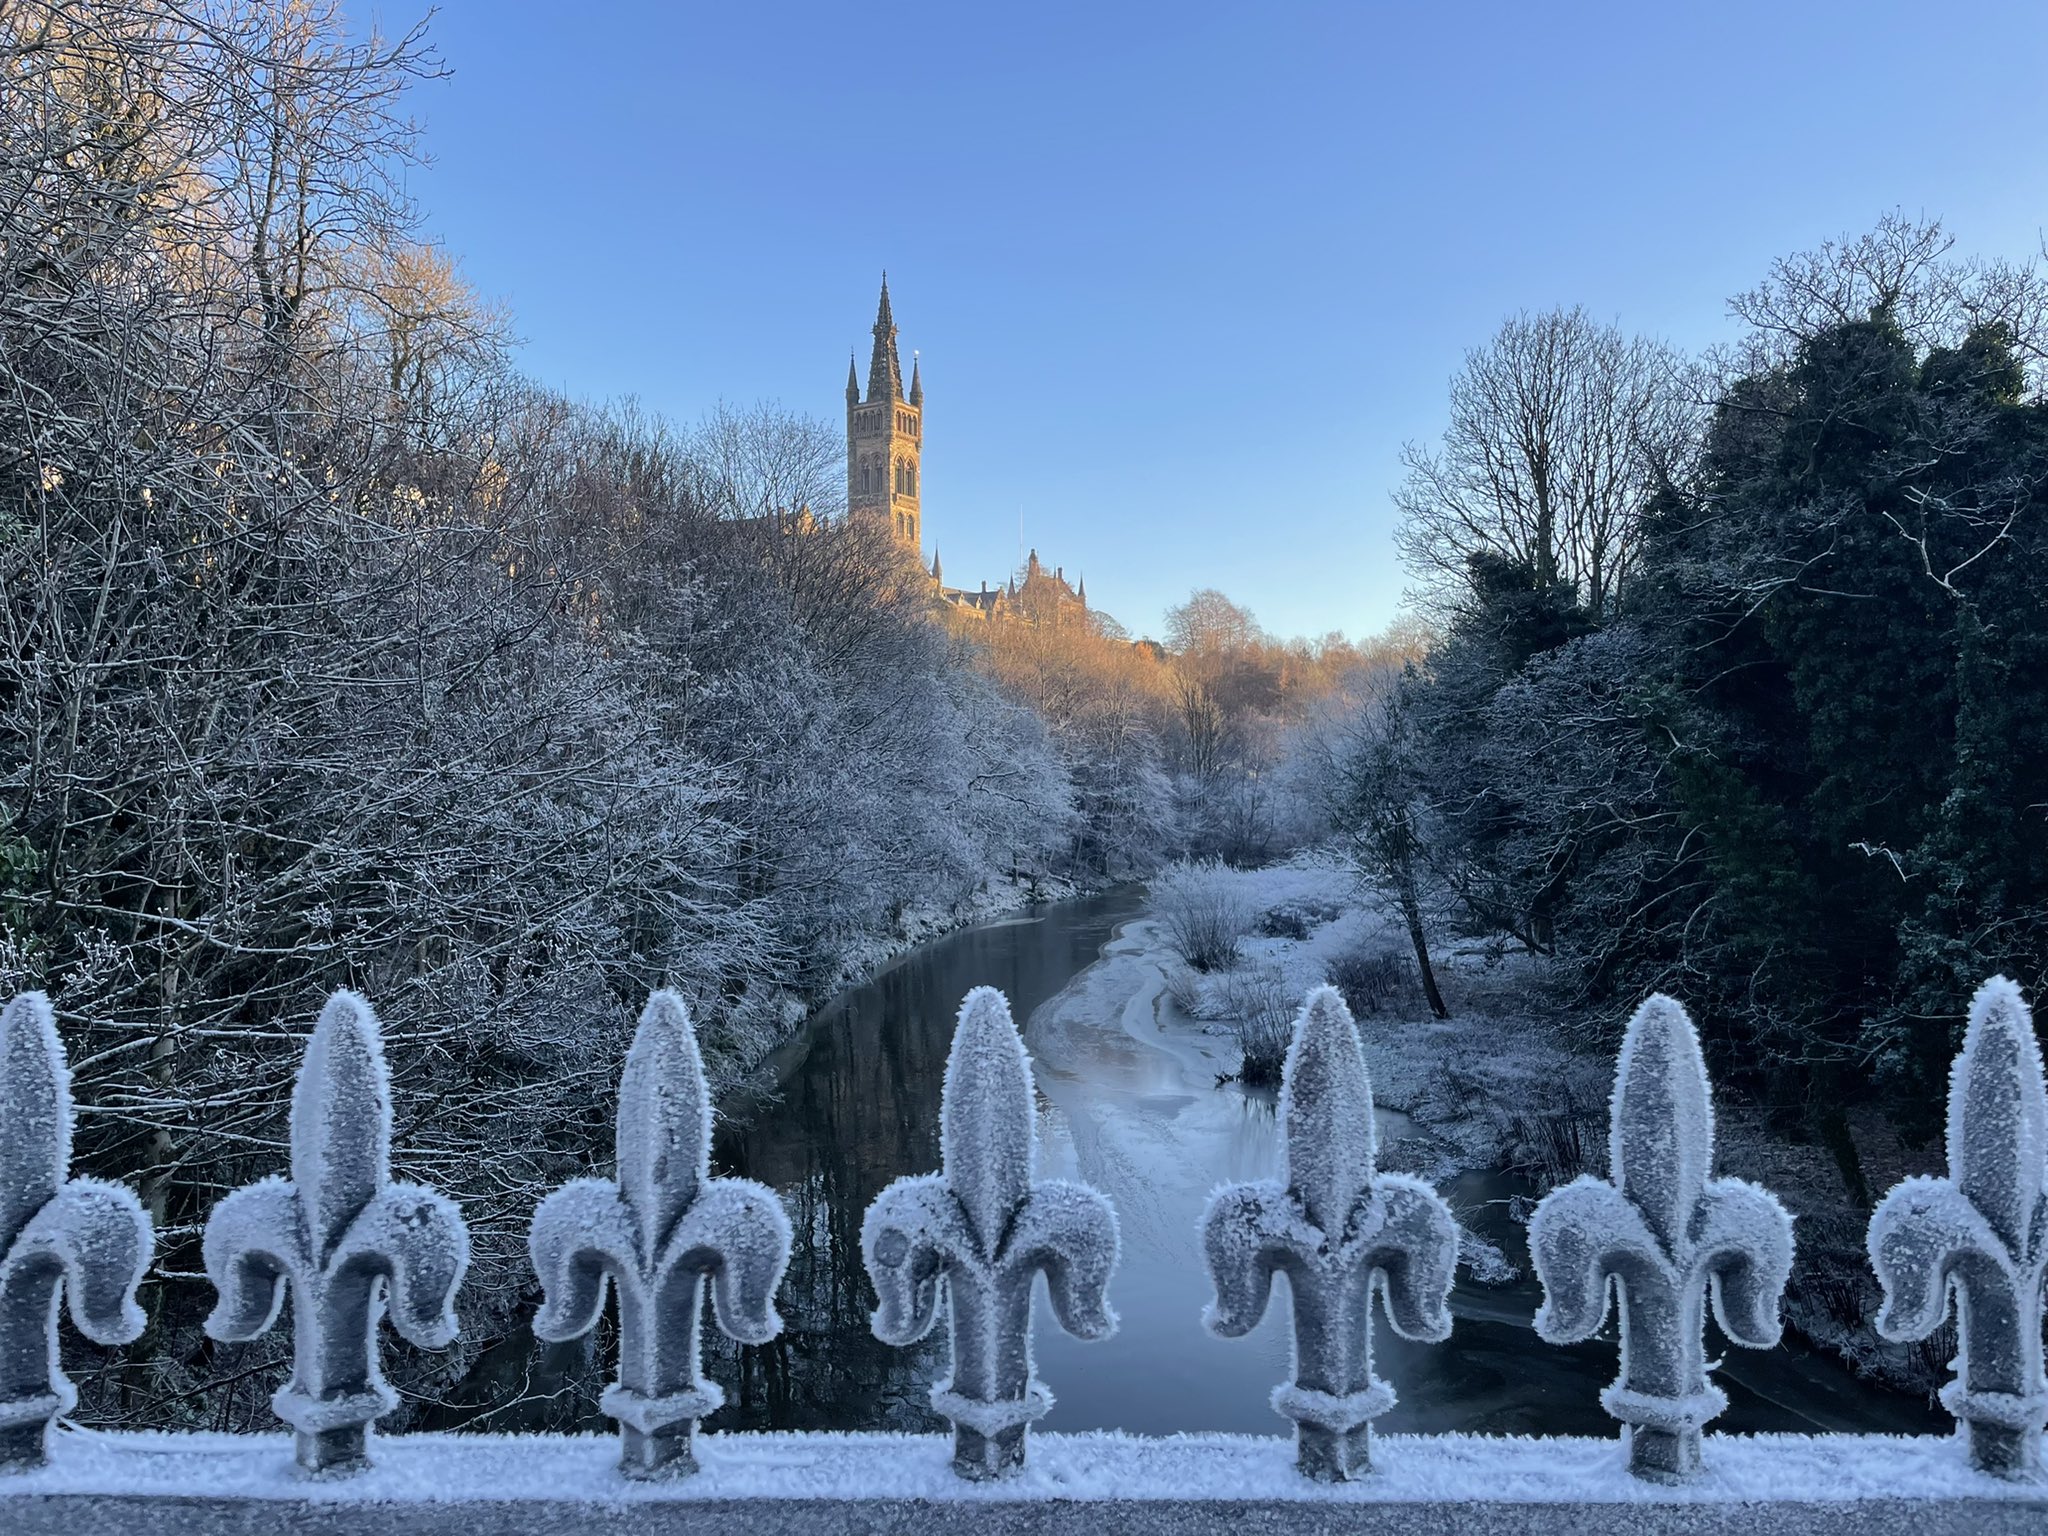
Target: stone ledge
[796, 1485]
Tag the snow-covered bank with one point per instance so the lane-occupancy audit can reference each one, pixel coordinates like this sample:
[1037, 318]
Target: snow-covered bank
[1503, 1083]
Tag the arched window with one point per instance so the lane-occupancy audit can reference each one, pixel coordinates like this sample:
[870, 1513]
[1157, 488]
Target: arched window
[913, 479]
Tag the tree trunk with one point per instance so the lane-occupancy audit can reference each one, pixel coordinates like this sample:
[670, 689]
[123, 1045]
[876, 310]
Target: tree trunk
[1411, 911]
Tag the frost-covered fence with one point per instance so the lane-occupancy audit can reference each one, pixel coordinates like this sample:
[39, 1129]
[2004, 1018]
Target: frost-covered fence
[659, 1232]
[1655, 1243]
[1658, 1234]
[1340, 1231]
[983, 1230]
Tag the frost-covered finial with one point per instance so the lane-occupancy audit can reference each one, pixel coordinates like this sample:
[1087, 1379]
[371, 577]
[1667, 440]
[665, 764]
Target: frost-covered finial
[985, 1228]
[659, 1232]
[1662, 1232]
[90, 1237]
[1340, 1230]
[349, 1241]
[1981, 1233]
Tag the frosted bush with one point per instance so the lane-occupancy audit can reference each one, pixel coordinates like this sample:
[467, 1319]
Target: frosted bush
[89, 1238]
[1980, 1235]
[1201, 914]
[980, 1231]
[659, 1232]
[1262, 1008]
[348, 1242]
[1660, 1235]
[1340, 1231]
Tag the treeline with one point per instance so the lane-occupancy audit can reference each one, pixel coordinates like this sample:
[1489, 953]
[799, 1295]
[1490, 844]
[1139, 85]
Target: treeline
[1183, 748]
[1740, 687]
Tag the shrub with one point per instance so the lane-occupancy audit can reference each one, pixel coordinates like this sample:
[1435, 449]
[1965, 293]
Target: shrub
[1203, 918]
[1369, 978]
[1262, 1010]
[1296, 919]
[1555, 1141]
[1185, 988]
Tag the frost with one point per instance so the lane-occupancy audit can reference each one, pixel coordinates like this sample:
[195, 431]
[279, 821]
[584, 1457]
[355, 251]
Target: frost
[349, 1242]
[982, 1229]
[1981, 1235]
[89, 1237]
[1341, 1231]
[1661, 1234]
[658, 1233]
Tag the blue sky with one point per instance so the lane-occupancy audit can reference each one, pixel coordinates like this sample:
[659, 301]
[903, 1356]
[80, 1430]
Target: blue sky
[1184, 277]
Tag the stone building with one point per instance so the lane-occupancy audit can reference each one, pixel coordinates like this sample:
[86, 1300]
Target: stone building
[885, 436]
[884, 477]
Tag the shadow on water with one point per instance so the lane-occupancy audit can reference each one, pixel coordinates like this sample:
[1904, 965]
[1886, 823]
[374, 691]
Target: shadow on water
[1133, 1107]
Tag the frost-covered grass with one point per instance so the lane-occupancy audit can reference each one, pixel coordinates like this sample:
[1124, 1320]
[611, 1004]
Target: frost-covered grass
[1470, 1083]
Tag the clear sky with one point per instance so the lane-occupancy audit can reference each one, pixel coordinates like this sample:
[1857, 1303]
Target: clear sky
[1184, 277]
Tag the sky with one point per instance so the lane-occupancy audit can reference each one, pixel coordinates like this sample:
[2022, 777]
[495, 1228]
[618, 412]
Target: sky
[1184, 278]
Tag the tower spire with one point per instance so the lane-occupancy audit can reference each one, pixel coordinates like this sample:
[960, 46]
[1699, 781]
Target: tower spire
[885, 367]
[916, 382]
[852, 380]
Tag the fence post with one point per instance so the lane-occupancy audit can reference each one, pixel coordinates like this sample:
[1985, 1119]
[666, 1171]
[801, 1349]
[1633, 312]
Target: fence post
[1981, 1233]
[348, 1241]
[1661, 1232]
[984, 1228]
[91, 1238]
[1339, 1229]
[659, 1232]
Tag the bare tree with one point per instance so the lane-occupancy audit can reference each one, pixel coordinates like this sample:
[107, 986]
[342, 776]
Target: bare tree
[1561, 431]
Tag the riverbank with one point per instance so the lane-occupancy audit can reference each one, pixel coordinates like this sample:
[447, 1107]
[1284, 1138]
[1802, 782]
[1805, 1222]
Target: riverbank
[740, 1055]
[1509, 1082]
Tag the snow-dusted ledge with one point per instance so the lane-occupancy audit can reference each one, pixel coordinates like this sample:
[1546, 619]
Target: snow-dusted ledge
[768, 1485]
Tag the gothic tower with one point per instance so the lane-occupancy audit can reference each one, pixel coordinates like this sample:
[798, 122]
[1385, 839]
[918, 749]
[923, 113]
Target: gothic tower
[885, 436]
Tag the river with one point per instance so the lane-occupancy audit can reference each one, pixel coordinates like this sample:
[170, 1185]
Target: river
[1133, 1107]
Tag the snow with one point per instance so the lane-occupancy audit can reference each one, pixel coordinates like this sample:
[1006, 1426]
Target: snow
[1340, 1231]
[351, 1243]
[1981, 1234]
[90, 1237]
[1657, 1237]
[659, 1232]
[1231, 1469]
[984, 1228]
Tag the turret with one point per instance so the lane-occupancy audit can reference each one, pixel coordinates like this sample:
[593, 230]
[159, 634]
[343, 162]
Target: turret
[852, 382]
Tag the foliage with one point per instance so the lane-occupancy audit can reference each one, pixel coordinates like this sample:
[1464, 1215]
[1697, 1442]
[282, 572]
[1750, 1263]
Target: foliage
[1203, 914]
[1787, 754]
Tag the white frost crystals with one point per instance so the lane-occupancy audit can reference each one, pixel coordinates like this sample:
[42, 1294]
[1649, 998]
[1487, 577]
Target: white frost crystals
[347, 1240]
[1340, 1231]
[983, 1229]
[1660, 1234]
[88, 1237]
[658, 1233]
[1981, 1235]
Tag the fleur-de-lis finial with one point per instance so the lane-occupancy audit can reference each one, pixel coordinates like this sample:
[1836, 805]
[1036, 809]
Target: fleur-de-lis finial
[1982, 1234]
[346, 1239]
[984, 1228]
[1663, 1232]
[659, 1232]
[1339, 1230]
[91, 1238]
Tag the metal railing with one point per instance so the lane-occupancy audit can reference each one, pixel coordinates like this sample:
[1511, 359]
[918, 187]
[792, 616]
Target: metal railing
[1656, 1243]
